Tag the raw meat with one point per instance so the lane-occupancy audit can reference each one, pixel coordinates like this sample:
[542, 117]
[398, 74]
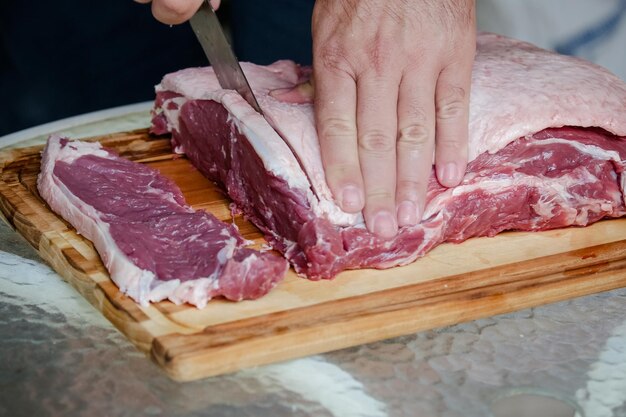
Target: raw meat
[154, 245]
[547, 145]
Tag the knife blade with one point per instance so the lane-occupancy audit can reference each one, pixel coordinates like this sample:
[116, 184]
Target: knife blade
[209, 32]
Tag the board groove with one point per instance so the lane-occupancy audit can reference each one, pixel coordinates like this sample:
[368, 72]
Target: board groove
[454, 283]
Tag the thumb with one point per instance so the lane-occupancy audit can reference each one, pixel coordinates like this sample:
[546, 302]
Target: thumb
[174, 12]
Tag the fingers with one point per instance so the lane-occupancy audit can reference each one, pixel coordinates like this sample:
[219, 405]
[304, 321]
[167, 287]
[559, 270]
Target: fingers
[377, 126]
[452, 107]
[335, 113]
[416, 143]
[173, 12]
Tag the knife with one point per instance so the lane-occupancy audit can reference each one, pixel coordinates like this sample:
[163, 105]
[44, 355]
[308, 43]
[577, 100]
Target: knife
[209, 32]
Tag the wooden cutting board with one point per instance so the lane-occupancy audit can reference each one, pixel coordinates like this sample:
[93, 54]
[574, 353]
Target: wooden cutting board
[452, 284]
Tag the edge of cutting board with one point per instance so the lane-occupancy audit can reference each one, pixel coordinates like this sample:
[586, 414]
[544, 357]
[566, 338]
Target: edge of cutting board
[189, 346]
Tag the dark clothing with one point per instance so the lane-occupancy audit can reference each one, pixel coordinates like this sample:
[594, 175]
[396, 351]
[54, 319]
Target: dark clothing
[65, 57]
[266, 31]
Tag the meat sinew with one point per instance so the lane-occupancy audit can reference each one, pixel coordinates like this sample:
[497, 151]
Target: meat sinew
[153, 244]
[547, 150]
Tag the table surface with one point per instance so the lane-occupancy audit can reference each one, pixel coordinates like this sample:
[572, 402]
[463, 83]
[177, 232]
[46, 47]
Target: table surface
[59, 356]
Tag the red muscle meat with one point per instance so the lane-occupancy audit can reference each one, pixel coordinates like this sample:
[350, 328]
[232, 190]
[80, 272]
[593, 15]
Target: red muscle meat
[547, 145]
[153, 244]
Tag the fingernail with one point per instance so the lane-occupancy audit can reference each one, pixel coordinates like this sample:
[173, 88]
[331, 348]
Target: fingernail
[384, 225]
[351, 199]
[407, 213]
[449, 174]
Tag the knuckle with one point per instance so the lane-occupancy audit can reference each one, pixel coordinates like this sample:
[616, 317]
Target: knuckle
[379, 54]
[409, 184]
[337, 129]
[409, 189]
[452, 105]
[378, 194]
[376, 141]
[449, 146]
[332, 57]
[414, 137]
[337, 171]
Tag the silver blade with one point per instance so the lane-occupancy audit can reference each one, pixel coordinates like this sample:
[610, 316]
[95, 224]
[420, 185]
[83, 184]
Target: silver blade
[209, 31]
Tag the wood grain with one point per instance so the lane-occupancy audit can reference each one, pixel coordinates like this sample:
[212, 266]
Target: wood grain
[453, 283]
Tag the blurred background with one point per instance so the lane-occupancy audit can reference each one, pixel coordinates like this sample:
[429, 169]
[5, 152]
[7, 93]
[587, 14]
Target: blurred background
[66, 57]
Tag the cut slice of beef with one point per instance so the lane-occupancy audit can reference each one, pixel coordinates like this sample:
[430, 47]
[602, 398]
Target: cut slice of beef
[547, 145]
[153, 244]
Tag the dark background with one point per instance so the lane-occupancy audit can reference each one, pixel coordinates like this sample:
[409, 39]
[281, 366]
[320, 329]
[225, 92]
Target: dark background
[61, 58]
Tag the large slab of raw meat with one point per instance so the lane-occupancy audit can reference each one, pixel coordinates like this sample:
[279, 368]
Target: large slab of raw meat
[153, 244]
[547, 150]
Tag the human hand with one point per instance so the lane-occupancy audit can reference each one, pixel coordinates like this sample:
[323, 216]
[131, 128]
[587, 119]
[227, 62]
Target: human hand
[173, 12]
[392, 86]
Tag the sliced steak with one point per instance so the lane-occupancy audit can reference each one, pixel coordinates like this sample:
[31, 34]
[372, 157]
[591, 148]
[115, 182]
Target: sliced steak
[153, 244]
